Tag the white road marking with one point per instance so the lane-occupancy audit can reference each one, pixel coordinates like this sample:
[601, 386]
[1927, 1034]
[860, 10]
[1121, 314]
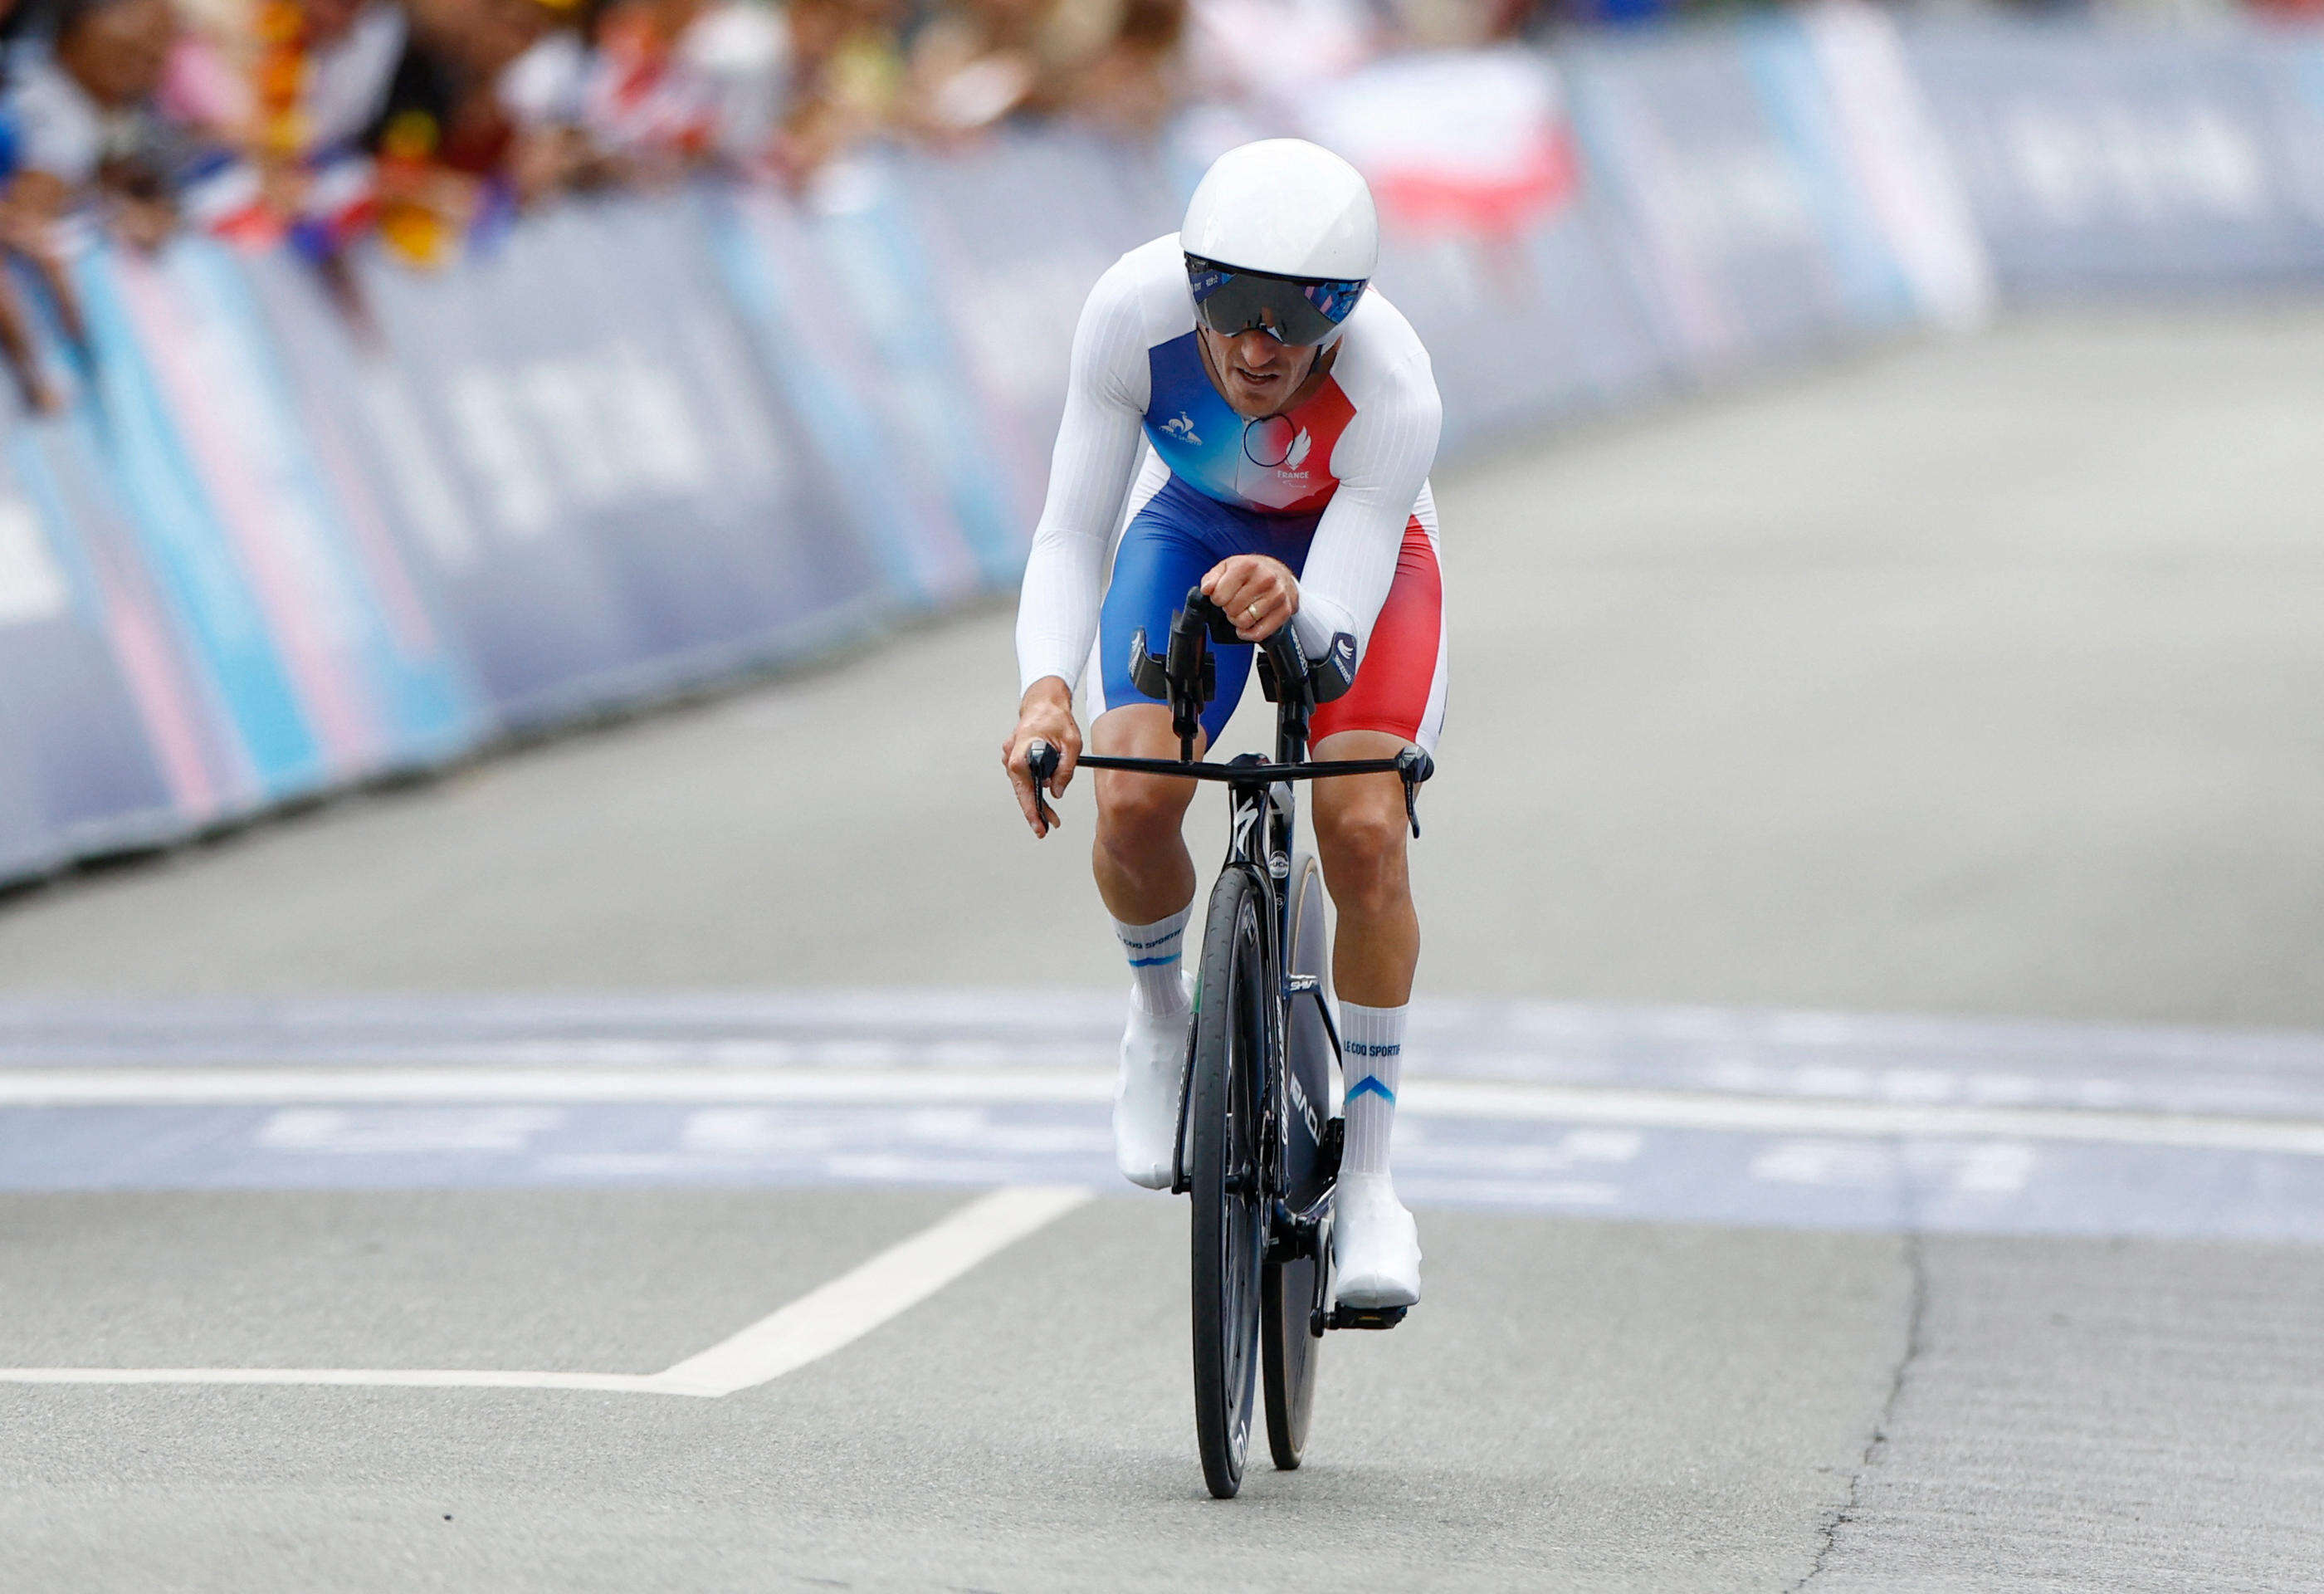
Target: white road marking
[853, 1304]
[1999, 1167]
[1688, 1109]
[242, 1087]
[406, 1131]
[1510, 1192]
[810, 1328]
[1612, 1106]
[1823, 1162]
[384, 1377]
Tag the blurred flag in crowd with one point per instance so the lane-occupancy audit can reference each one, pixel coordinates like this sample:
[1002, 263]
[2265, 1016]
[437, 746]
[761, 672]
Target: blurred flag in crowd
[1471, 141]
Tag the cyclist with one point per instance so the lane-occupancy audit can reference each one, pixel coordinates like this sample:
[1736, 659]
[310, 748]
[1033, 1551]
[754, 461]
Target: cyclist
[1288, 418]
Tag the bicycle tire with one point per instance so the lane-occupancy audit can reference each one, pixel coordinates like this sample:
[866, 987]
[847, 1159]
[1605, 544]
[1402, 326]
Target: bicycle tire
[1289, 1351]
[1229, 1215]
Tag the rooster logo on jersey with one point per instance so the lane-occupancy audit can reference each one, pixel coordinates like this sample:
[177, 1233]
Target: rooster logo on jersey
[1275, 464]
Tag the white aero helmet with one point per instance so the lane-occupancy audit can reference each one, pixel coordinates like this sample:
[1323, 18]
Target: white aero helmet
[1280, 236]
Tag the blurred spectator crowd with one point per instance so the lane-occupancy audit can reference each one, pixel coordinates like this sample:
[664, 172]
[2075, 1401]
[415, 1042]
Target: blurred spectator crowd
[428, 123]
[423, 120]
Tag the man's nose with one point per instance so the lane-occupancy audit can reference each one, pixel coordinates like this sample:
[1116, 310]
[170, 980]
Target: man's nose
[1259, 347]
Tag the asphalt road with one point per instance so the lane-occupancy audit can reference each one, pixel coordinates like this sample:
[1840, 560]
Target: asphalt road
[1030, 1432]
[1580, 1404]
[1974, 678]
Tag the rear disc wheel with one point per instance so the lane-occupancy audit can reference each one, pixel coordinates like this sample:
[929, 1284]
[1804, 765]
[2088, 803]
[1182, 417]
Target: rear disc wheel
[1290, 1349]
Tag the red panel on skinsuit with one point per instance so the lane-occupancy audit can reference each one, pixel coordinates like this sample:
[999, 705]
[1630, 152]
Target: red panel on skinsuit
[1400, 667]
[1287, 459]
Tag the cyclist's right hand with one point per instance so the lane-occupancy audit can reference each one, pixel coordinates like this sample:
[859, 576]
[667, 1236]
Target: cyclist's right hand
[1046, 715]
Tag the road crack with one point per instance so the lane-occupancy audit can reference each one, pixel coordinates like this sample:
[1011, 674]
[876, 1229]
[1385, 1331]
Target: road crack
[1916, 1309]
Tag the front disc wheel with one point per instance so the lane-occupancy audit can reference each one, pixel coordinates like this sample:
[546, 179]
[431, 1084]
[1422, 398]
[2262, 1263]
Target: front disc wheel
[1229, 1210]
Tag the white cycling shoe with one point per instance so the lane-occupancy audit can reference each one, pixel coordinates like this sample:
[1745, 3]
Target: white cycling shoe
[1146, 1095]
[1375, 1244]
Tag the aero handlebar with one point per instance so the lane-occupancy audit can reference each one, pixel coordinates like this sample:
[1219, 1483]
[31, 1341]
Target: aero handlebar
[1186, 677]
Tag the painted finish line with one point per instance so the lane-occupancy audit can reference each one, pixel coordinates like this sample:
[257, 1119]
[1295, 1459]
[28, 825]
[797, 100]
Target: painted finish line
[806, 1330]
[1678, 1115]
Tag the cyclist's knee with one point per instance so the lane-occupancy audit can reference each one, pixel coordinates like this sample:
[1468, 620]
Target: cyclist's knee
[1135, 812]
[1361, 840]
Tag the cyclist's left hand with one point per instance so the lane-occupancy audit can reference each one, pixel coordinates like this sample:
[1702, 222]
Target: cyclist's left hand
[1259, 594]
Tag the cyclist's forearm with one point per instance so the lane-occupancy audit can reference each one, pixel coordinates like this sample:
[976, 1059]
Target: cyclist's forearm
[1057, 608]
[1347, 577]
[1090, 471]
[1352, 560]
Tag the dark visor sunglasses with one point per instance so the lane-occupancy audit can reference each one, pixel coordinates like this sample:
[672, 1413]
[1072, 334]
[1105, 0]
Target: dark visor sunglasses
[1299, 310]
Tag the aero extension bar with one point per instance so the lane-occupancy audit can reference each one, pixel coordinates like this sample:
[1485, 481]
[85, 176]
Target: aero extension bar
[1187, 679]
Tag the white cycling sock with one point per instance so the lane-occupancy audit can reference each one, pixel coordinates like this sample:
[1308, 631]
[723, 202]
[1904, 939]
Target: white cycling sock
[1153, 951]
[1371, 1059]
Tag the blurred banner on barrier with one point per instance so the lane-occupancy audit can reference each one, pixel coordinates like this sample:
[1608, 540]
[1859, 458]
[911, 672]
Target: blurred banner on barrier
[268, 751]
[101, 739]
[77, 771]
[876, 266]
[1896, 160]
[631, 502]
[277, 546]
[1679, 135]
[1507, 265]
[1733, 164]
[1013, 234]
[2115, 159]
[868, 388]
[371, 683]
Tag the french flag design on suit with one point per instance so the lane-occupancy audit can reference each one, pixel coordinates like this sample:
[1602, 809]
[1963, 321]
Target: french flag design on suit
[1280, 464]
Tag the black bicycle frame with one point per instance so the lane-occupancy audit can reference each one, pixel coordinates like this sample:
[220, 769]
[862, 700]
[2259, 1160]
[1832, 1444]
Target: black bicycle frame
[1262, 815]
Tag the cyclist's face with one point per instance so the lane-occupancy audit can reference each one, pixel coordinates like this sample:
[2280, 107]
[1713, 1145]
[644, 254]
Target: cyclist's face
[1254, 373]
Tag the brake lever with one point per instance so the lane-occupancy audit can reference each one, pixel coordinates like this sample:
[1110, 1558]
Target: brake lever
[1041, 763]
[1412, 767]
[1192, 668]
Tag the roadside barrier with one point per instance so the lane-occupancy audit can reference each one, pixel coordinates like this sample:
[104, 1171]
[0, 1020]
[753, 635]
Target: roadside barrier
[2123, 161]
[645, 442]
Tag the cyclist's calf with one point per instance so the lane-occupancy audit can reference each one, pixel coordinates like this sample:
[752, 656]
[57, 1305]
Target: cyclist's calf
[1360, 833]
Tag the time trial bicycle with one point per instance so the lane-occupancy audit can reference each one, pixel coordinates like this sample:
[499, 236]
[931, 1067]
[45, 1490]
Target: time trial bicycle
[1258, 1134]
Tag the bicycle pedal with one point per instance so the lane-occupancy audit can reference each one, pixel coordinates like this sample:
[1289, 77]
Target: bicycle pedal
[1367, 1317]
